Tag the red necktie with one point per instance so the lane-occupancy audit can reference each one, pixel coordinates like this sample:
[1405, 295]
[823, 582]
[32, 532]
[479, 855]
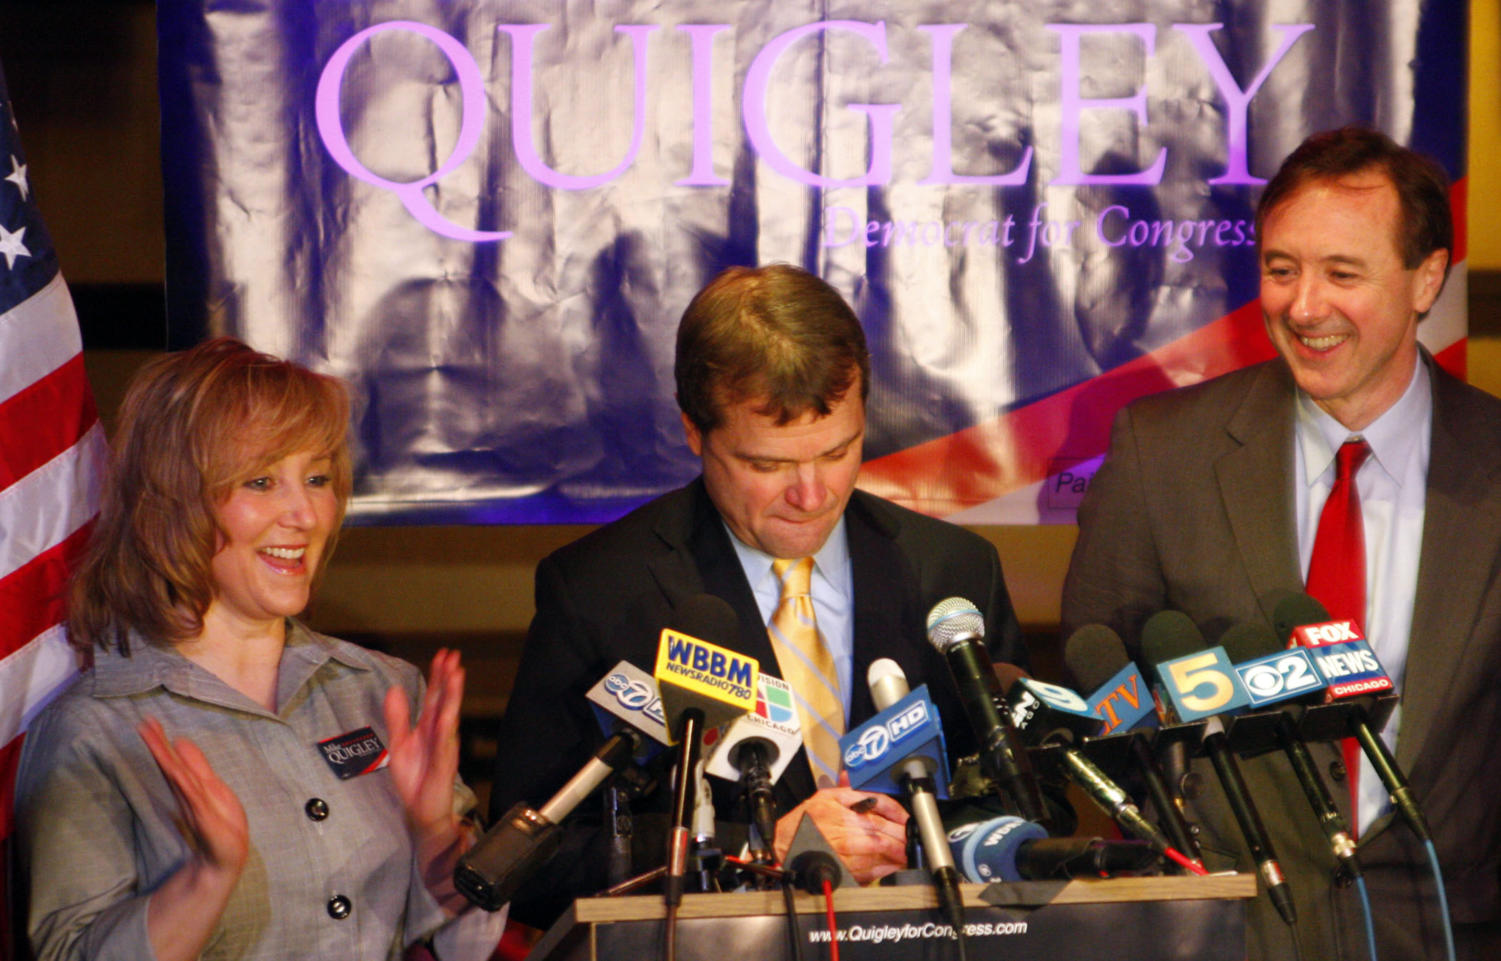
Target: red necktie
[1336, 574]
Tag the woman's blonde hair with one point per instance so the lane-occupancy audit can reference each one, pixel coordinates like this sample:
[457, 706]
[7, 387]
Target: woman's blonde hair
[193, 425]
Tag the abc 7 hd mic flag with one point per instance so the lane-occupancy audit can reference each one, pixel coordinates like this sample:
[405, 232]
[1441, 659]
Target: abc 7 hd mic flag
[907, 729]
[51, 458]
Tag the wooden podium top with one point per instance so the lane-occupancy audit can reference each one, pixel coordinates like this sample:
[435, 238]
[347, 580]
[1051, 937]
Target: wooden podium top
[877, 898]
[1120, 920]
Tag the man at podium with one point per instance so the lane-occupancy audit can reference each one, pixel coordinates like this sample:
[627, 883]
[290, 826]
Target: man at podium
[772, 375]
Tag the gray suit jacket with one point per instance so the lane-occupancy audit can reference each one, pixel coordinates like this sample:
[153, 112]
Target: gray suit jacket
[1192, 510]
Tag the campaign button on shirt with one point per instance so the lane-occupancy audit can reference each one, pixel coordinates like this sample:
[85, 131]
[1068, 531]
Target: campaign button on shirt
[316, 808]
[339, 907]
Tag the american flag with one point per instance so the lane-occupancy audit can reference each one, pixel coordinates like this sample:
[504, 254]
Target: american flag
[51, 459]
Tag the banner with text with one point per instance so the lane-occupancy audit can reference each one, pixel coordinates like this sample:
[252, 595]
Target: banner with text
[488, 216]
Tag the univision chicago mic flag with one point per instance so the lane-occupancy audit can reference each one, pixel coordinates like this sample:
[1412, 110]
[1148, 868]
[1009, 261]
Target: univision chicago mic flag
[51, 458]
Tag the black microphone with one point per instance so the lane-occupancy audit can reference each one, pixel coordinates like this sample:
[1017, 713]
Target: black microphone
[1168, 636]
[753, 758]
[703, 684]
[957, 629]
[489, 873]
[1248, 642]
[888, 684]
[1095, 656]
[753, 751]
[1050, 715]
[1009, 849]
[1300, 611]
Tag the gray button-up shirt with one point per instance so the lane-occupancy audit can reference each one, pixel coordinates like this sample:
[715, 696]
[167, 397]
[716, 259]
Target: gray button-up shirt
[331, 872]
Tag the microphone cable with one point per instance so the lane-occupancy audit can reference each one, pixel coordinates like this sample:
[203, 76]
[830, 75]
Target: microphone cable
[1370, 926]
[1443, 899]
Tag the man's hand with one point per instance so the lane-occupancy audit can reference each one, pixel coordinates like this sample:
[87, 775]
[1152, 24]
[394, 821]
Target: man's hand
[867, 831]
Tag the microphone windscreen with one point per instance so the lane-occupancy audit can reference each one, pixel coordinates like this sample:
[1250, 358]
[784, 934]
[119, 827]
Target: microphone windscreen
[954, 618]
[1295, 610]
[708, 618]
[1249, 640]
[1094, 654]
[888, 682]
[1168, 635]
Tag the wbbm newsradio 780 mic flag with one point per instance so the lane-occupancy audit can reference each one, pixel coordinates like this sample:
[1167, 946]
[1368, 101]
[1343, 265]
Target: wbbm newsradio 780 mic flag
[51, 456]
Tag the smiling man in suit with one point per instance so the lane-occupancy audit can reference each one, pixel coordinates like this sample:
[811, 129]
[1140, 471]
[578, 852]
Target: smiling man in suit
[1214, 498]
[772, 375]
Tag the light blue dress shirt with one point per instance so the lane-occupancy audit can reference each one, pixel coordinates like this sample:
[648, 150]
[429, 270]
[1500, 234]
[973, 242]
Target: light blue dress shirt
[1393, 486]
[833, 587]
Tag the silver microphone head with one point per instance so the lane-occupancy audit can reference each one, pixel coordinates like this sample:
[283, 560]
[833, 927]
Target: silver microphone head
[954, 619]
[888, 682]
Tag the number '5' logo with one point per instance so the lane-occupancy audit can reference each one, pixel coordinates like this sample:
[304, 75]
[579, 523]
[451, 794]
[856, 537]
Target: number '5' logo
[1201, 684]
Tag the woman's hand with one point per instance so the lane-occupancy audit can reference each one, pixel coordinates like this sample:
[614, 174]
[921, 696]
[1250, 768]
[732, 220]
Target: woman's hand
[211, 814]
[424, 763]
[185, 910]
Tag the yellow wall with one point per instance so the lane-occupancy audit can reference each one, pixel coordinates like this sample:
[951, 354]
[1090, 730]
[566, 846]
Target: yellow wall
[1485, 135]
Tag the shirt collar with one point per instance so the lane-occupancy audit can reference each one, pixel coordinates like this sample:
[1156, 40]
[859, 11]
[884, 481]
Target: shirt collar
[831, 564]
[161, 665]
[1394, 438]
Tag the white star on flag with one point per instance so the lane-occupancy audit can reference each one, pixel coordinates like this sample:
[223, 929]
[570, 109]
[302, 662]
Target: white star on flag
[11, 246]
[17, 176]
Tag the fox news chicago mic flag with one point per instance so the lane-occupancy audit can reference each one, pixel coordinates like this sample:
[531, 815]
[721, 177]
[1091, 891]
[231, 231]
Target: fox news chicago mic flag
[51, 457]
[488, 216]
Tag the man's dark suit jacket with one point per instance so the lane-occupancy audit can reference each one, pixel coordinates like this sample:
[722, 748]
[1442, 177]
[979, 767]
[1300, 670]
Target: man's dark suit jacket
[606, 597]
[1193, 510]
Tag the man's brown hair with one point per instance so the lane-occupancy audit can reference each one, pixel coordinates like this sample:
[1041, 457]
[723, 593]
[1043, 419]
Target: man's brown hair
[777, 333]
[1422, 185]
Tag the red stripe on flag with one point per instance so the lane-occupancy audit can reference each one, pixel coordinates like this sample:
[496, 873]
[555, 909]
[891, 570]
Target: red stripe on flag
[1030, 443]
[33, 597]
[1455, 358]
[10, 759]
[44, 419]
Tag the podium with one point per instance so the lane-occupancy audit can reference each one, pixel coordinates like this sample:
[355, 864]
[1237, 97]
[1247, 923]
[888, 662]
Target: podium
[1127, 919]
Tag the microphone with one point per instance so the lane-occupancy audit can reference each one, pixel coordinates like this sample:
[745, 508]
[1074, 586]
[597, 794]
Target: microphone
[627, 698]
[703, 685]
[914, 771]
[490, 872]
[1049, 715]
[1346, 660]
[1010, 849]
[1272, 675]
[1123, 701]
[878, 754]
[1173, 645]
[957, 629]
[754, 751]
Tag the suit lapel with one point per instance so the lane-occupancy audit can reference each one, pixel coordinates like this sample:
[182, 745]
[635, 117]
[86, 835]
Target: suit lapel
[1254, 489]
[1461, 531]
[704, 560]
[881, 585]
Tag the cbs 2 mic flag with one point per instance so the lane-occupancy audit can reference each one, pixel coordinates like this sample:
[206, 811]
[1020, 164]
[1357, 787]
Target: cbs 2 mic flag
[51, 459]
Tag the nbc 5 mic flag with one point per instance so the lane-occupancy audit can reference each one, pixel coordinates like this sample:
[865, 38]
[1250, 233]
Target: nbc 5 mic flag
[51, 459]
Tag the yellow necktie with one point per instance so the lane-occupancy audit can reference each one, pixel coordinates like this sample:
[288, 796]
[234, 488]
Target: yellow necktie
[808, 667]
